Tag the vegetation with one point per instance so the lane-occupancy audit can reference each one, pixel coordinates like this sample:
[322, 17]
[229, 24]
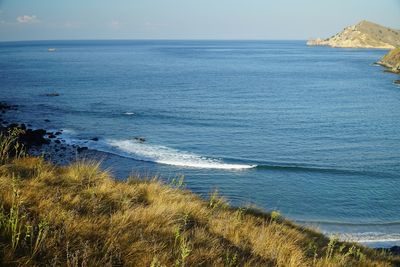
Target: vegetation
[364, 34]
[79, 216]
[392, 60]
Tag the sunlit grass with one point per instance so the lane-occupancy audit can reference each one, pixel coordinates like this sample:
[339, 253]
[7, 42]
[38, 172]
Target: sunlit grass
[79, 215]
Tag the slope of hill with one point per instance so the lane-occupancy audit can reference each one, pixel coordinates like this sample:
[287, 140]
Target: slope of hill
[365, 34]
[78, 215]
[391, 60]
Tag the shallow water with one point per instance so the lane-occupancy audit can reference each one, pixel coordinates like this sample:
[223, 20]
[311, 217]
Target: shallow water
[310, 131]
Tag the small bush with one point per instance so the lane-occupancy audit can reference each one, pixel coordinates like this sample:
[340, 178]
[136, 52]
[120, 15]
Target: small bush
[9, 145]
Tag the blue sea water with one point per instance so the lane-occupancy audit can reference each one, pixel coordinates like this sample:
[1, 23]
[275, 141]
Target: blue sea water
[313, 132]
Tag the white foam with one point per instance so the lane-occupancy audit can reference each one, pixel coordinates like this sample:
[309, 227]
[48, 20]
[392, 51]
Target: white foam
[371, 237]
[129, 113]
[69, 131]
[170, 156]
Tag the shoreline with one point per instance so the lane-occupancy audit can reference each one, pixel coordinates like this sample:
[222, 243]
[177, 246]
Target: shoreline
[84, 212]
[54, 149]
[42, 142]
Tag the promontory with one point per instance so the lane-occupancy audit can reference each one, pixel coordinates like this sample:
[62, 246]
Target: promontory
[365, 34]
[391, 60]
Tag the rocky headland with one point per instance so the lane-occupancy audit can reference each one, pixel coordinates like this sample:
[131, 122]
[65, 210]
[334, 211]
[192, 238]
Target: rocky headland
[365, 34]
[391, 60]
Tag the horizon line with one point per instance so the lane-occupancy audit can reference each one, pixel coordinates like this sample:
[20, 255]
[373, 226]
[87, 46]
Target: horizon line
[150, 39]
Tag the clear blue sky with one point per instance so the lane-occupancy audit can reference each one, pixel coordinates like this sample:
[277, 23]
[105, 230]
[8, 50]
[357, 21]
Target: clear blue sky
[188, 19]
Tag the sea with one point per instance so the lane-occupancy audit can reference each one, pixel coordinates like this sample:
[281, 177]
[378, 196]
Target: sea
[311, 132]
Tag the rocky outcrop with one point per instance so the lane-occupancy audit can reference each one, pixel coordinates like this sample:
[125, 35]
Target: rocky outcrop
[391, 60]
[362, 35]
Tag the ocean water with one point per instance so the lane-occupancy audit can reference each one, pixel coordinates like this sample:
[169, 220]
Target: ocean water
[313, 132]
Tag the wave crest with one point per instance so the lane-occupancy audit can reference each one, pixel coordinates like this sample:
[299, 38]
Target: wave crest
[170, 156]
[373, 239]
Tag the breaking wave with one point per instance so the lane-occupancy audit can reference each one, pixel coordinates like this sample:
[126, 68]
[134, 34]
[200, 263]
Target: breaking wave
[158, 154]
[170, 156]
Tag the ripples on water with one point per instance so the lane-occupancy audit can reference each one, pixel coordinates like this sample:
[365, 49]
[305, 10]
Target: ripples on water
[312, 132]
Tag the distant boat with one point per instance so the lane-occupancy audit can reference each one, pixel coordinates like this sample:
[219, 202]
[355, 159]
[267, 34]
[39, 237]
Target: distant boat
[51, 50]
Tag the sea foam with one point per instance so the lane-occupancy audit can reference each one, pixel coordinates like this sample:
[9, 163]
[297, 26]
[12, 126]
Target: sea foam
[372, 239]
[169, 156]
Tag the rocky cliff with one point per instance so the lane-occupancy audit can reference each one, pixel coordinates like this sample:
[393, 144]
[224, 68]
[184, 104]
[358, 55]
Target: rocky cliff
[391, 60]
[362, 35]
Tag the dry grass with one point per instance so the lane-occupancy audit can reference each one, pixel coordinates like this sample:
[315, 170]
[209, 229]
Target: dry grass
[79, 216]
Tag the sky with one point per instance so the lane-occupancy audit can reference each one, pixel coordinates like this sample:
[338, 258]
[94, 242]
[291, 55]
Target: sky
[188, 19]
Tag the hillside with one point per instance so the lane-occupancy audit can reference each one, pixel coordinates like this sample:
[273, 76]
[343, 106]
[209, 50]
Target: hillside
[79, 215]
[362, 35]
[391, 60]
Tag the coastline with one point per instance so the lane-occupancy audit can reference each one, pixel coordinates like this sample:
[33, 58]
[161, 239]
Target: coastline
[391, 61]
[79, 212]
[42, 142]
[53, 148]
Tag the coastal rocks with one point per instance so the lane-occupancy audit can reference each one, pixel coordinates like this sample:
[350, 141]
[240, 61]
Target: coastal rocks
[365, 34]
[317, 41]
[5, 107]
[33, 138]
[51, 136]
[47, 144]
[391, 60]
[80, 149]
[95, 139]
[52, 94]
[140, 139]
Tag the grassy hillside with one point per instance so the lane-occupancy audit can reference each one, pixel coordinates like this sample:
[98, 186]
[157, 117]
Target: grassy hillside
[392, 60]
[80, 216]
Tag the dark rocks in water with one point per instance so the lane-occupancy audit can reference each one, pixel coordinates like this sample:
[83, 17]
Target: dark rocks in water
[57, 133]
[47, 120]
[4, 107]
[23, 126]
[34, 138]
[396, 81]
[80, 149]
[140, 139]
[53, 94]
[63, 148]
[57, 141]
[51, 136]
[95, 139]
[42, 132]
